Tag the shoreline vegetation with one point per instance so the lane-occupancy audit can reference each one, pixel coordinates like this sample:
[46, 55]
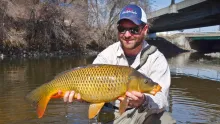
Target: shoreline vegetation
[31, 28]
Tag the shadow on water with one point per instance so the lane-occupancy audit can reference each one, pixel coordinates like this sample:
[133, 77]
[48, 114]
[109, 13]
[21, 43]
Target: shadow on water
[167, 48]
[206, 46]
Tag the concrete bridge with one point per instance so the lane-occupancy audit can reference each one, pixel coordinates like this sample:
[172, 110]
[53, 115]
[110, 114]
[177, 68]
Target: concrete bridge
[202, 42]
[184, 15]
[205, 42]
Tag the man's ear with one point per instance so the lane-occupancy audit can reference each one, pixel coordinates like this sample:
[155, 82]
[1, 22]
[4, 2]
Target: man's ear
[145, 29]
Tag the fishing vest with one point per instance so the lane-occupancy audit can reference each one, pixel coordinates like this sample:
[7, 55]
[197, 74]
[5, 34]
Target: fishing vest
[150, 49]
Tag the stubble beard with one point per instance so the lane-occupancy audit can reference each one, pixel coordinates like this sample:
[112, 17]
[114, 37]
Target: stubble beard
[133, 45]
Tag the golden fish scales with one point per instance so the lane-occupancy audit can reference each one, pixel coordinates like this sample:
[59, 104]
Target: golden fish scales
[89, 81]
[96, 84]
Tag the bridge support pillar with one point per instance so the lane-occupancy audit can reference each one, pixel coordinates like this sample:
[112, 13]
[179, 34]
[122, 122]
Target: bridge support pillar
[182, 42]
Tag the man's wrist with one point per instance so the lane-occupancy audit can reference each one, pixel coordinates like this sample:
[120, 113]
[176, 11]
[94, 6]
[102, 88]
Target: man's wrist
[144, 105]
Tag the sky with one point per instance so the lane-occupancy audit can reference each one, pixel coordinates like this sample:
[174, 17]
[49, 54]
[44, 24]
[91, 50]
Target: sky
[158, 4]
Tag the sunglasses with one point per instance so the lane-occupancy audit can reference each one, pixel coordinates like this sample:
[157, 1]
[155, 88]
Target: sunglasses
[133, 30]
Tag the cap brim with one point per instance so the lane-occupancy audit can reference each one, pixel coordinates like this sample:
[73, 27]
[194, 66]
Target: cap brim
[135, 21]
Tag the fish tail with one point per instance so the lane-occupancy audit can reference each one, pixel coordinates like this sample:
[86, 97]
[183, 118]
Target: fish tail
[40, 98]
[41, 107]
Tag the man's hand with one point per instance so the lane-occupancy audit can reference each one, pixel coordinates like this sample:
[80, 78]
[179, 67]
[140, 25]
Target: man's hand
[70, 96]
[135, 99]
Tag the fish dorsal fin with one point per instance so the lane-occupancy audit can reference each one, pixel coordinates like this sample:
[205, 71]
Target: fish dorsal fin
[70, 70]
[94, 109]
[123, 105]
[41, 106]
[74, 69]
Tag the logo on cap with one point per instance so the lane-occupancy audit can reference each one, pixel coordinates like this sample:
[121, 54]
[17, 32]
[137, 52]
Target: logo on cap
[129, 10]
[133, 13]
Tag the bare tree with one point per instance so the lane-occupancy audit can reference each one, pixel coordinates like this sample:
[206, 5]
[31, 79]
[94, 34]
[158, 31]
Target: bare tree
[51, 25]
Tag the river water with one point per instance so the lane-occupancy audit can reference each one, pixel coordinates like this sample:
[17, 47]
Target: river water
[194, 92]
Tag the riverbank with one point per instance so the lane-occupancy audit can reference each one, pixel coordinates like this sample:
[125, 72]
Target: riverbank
[37, 54]
[166, 47]
[31, 29]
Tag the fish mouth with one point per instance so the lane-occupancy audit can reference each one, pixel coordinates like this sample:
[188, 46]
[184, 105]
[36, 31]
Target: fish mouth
[156, 89]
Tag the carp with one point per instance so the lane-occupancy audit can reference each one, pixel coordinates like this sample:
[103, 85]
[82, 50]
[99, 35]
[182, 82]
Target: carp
[97, 84]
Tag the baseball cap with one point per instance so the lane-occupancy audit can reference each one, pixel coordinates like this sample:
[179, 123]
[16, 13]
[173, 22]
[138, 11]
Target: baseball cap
[133, 13]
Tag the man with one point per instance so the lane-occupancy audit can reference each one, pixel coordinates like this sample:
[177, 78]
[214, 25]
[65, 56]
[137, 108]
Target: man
[143, 108]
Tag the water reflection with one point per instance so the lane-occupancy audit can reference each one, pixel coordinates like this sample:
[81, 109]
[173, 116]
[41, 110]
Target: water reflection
[197, 66]
[195, 100]
[18, 77]
[195, 87]
[192, 99]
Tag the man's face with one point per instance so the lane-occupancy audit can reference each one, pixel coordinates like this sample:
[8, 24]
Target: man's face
[131, 35]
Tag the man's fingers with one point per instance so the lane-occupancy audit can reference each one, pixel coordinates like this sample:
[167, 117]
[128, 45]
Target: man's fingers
[120, 98]
[136, 98]
[71, 96]
[132, 96]
[137, 94]
[78, 97]
[66, 96]
[59, 92]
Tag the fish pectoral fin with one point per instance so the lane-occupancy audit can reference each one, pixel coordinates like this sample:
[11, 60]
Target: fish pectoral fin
[123, 105]
[94, 109]
[41, 106]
